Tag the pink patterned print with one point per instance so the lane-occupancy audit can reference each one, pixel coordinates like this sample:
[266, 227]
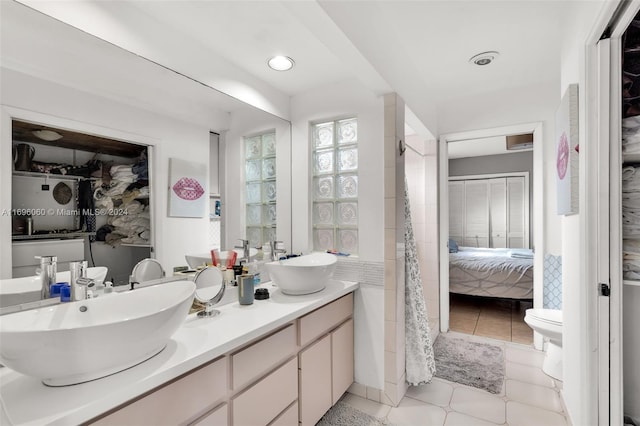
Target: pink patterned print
[563, 156]
[188, 189]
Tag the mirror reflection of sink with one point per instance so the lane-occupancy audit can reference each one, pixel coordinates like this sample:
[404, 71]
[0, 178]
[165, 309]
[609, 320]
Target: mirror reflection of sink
[303, 274]
[200, 259]
[75, 342]
[15, 291]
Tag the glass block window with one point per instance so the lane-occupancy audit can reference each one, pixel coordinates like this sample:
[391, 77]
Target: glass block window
[335, 185]
[260, 188]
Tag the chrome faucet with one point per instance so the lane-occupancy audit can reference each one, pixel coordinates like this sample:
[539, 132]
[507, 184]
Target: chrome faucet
[77, 270]
[245, 251]
[48, 270]
[275, 250]
[85, 284]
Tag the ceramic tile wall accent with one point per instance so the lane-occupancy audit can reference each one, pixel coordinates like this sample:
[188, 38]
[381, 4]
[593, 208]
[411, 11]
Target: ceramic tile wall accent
[394, 250]
[353, 269]
[421, 169]
[552, 282]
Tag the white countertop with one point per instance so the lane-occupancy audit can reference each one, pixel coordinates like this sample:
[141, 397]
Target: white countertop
[26, 401]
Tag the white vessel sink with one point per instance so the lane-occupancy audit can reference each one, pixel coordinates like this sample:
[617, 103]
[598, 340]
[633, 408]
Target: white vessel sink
[303, 274]
[200, 259]
[75, 342]
[15, 291]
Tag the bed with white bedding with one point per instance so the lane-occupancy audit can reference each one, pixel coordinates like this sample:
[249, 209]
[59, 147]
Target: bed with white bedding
[492, 272]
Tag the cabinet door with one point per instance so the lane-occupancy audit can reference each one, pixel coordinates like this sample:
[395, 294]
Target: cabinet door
[498, 212]
[342, 359]
[516, 213]
[476, 224]
[456, 211]
[315, 381]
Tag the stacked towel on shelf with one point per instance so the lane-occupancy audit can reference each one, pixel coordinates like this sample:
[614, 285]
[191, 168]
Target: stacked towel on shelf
[125, 197]
[631, 135]
[631, 218]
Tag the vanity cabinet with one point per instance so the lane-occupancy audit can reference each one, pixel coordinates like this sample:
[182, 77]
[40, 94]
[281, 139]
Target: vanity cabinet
[287, 377]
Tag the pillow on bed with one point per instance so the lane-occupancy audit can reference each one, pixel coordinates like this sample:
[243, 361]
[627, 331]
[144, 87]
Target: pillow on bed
[453, 246]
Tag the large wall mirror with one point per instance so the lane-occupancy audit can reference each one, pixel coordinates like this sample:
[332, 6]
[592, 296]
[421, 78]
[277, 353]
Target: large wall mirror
[249, 160]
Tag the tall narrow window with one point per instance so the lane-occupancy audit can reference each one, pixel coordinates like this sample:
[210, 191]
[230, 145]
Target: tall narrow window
[260, 178]
[335, 185]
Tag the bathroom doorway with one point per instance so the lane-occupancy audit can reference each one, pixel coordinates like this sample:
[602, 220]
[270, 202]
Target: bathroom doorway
[488, 204]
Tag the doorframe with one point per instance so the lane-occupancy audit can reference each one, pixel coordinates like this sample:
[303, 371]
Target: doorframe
[603, 82]
[537, 216]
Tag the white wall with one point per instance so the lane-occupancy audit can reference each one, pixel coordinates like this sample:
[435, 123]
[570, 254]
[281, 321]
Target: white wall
[535, 103]
[248, 122]
[72, 108]
[345, 99]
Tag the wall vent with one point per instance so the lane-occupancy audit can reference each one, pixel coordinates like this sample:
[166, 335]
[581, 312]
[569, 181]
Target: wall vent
[519, 142]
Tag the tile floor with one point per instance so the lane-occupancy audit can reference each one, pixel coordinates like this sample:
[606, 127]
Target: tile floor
[528, 397]
[501, 319]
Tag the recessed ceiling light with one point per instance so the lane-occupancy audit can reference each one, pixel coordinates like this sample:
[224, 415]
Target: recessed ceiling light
[281, 63]
[484, 58]
[47, 135]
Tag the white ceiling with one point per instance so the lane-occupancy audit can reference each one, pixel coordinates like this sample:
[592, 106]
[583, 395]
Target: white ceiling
[419, 49]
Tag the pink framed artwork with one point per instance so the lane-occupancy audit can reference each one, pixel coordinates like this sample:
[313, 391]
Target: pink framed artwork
[567, 151]
[187, 188]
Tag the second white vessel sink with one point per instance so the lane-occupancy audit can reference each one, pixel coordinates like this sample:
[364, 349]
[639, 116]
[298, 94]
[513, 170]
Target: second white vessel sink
[303, 274]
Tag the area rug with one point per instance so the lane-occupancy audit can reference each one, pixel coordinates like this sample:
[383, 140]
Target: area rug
[480, 365]
[343, 414]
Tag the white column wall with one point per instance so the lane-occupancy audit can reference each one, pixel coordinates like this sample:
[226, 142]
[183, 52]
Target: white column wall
[338, 100]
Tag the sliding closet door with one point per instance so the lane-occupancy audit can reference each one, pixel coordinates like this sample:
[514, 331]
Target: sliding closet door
[476, 226]
[498, 212]
[456, 211]
[516, 213]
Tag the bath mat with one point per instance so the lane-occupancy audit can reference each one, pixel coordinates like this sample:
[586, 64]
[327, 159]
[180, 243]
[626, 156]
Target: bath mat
[343, 414]
[480, 365]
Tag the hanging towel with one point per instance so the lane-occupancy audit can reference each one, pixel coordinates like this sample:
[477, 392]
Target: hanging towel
[419, 359]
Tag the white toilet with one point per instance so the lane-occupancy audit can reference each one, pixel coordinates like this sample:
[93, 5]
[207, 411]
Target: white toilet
[548, 322]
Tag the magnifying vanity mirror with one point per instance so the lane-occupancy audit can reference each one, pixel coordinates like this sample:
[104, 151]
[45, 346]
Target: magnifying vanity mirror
[210, 288]
[88, 86]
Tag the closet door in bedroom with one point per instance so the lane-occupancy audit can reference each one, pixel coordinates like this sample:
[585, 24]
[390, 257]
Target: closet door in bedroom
[516, 214]
[476, 221]
[498, 212]
[456, 211]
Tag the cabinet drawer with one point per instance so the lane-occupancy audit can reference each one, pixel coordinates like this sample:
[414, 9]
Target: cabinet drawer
[288, 418]
[255, 360]
[178, 402]
[262, 402]
[324, 319]
[218, 417]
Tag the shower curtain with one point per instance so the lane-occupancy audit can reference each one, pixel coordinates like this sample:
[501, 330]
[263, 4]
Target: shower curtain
[420, 363]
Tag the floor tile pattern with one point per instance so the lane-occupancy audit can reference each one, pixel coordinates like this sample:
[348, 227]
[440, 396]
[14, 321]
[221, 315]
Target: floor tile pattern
[528, 397]
[501, 319]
